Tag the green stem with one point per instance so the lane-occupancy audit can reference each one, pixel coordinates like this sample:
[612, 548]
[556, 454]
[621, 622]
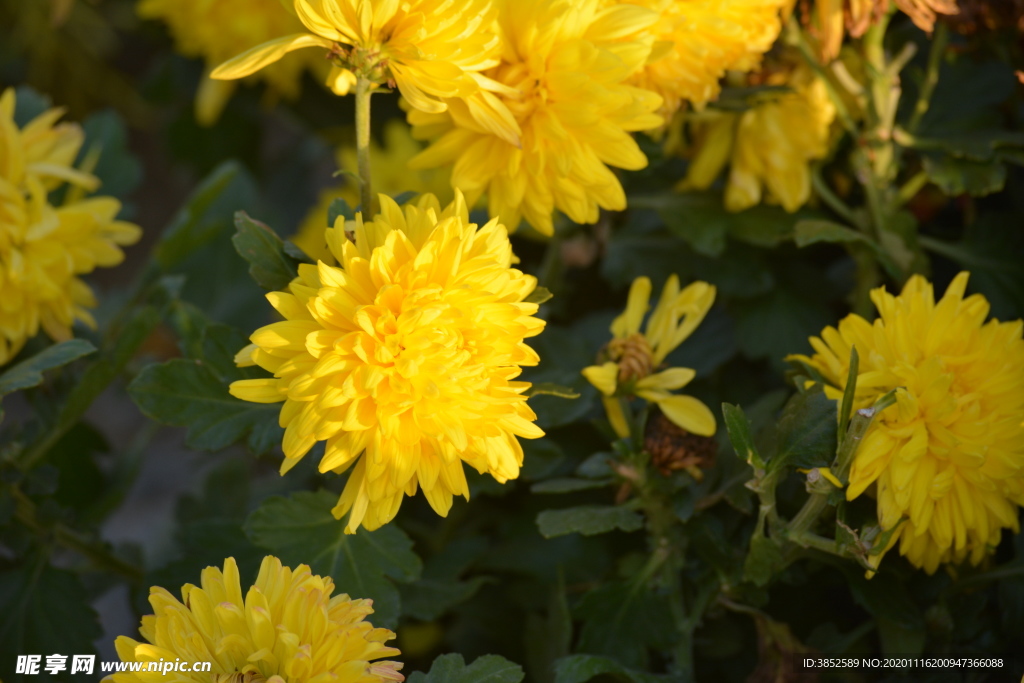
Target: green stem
[912, 187]
[931, 78]
[868, 276]
[363, 93]
[71, 539]
[832, 199]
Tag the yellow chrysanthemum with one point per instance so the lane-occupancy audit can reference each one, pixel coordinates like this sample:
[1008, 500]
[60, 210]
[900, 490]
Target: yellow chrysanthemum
[633, 361]
[391, 176]
[697, 41]
[406, 351]
[946, 462]
[44, 249]
[286, 629]
[769, 146]
[430, 49]
[567, 68]
[217, 31]
[832, 18]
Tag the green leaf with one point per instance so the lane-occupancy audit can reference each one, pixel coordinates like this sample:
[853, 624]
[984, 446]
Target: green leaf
[440, 587]
[568, 484]
[118, 169]
[539, 295]
[301, 529]
[551, 389]
[44, 611]
[964, 176]
[339, 208]
[738, 426]
[188, 393]
[588, 520]
[778, 324]
[451, 668]
[848, 393]
[622, 620]
[810, 232]
[807, 432]
[582, 668]
[763, 560]
[204, 215]
[269, 265]
[29, 373]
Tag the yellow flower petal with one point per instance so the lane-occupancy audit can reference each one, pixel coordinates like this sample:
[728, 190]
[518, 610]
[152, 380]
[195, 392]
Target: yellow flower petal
[260, 56]
[636, 306]
[689, 413]
[604, 377]
[672, 378]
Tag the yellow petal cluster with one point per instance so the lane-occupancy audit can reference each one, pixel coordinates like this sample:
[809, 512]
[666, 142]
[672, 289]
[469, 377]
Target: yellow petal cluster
[217, 31]
[768, 147]
[832, 18]
[391, 176]
[287, 628]
[44, 249]
[402, 358]
[946, 462]
[697, 41]
[565, 75]
[430, 49]
[633, 360]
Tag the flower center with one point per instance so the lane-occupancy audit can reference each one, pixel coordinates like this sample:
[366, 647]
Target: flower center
[633, 355]
[531, 85]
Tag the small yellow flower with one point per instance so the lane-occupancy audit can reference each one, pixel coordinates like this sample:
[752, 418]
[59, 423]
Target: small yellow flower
[946, 462]
[217, 31]
[564, 74]
[286, 628]
[769, 146]
[391, 176]
[407, 351]
[431, 49]
[45, 249]
[698, 41]
[634, 359]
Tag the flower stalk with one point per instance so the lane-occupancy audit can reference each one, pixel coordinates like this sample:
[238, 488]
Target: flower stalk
[363, 94]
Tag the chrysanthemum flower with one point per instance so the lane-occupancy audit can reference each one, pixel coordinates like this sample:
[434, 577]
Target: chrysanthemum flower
[946, 462]
[832, 18]
[768, 146]
[287, 628]
[45, 249]
[406, 352]
[633, 360]
[431, 49]
[391, 176]
[697, 41]
[217, 31]
[565, 67]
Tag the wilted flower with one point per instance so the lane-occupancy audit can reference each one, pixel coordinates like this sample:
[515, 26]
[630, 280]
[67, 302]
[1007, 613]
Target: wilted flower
[391, 176]
[564, 74]
[831, 17]
[632, 360]
[45, 249]
[769, 145]
[431, 49]
[287, 628]
[946, 462]
[697, 41]
[407, 351]
[217, 31]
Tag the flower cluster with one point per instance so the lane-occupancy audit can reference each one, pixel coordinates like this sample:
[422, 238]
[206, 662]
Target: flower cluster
[287, 628]
[946, 462]
[831, 20]
[217, 31]
[770, 145]
[407, 352]
[45, 249]
[390, 175]
[633, 361]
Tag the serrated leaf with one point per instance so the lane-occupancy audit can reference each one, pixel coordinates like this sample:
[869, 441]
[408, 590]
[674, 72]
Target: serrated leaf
[551, 389]
[738, 427]
[964, 176]
[568, 484]
[451, 668]
[301, 529]
[582, 668]
[339, 208]
[269, 265]
[588, 520]
[29, 372]
[188, 393]
[622, 620]
[44, 611]
[807, 431]
[810, 232]
[293, 250]
[539, 295]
